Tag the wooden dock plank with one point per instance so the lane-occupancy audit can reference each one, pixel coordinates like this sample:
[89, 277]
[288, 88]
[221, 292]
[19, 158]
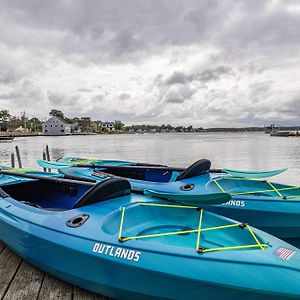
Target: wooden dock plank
[21, 281]
[80, 294]
[26, 283]
[2, 246]
[53, 288]
[9, 264]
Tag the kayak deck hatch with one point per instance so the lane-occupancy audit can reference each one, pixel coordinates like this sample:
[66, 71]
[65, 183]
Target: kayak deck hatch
[197, 229]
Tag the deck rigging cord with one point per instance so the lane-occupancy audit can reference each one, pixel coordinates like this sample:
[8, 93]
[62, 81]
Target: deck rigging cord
[273, 189]
[199, 230]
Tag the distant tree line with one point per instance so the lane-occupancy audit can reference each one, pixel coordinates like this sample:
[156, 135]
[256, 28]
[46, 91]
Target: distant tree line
[82, 124]
[11, 123]
[86, 124]
[162, 128]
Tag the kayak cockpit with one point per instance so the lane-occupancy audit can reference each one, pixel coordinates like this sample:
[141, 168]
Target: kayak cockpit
[182, 226]
[138, 173]
[153, 174]
[61, 194]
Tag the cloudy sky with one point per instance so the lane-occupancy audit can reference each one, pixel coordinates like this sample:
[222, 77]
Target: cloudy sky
[206, 63]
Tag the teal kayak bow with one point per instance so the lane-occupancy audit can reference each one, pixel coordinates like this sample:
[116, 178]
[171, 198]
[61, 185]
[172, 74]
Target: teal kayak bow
[253, 174]
[235, 173]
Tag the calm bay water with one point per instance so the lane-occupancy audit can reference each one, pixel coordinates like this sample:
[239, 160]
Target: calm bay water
[248, 151]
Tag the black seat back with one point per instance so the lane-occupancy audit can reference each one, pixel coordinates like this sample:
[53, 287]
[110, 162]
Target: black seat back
[199, 167]
[105, 190]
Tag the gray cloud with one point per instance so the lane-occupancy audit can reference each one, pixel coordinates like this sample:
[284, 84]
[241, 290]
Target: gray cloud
[104, 30]
[177, 78]
[8, 77]
[60, 99]
[213, 74]
[226, 61]
[206, 75]
[178, 94]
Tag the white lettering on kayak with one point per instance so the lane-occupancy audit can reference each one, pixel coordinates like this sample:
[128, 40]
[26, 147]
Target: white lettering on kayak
[235, 203]
[116, 252]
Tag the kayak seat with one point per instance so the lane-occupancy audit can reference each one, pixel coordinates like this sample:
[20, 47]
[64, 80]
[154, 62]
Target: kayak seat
[105, 190]
[197, 168]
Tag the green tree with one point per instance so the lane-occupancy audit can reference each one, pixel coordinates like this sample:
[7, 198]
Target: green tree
[4, 116]
[85, 124]
[56, 113]
[24, 119]
[35, 124]
[119, 125]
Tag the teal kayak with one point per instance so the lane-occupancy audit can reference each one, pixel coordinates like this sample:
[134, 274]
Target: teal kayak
[272, 207]
[129, 246]
[69, 161]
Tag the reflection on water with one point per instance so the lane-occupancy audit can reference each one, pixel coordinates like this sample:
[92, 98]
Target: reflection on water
[252, 151]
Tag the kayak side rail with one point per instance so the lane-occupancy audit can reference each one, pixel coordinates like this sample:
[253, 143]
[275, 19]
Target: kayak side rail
[141, 168]
[48, 179]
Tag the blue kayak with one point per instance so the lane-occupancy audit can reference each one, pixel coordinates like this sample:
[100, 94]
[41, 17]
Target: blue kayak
[129, 246]
[271, 207]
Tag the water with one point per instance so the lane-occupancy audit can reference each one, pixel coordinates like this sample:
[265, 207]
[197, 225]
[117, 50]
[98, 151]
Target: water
[244, 151]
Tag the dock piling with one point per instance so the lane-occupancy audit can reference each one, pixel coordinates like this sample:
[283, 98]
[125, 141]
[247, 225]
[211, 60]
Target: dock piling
[18, 156]
[12, 160]
[44, 158]
[47, 152]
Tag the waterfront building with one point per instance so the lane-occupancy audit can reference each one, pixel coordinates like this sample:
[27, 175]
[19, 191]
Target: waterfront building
[56, 126]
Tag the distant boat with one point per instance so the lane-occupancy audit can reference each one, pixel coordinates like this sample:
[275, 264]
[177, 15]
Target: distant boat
[270, 128]
[285, 133]
[295, 133]
[279, 133]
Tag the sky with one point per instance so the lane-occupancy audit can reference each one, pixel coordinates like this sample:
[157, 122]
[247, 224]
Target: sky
[204, 63]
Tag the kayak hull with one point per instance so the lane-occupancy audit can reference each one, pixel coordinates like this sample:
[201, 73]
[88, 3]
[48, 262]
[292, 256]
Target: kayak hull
[161, 271]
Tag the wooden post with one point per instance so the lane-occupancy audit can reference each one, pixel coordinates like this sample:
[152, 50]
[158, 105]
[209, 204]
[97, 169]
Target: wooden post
[18, 157]
[12, 160]
[44, 158]
[47, 155]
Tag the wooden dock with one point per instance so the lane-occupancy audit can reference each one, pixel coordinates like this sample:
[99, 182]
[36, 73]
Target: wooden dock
[21, 281]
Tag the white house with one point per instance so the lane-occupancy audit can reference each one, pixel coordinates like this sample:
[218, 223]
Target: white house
[56, 126]
[108, 125]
